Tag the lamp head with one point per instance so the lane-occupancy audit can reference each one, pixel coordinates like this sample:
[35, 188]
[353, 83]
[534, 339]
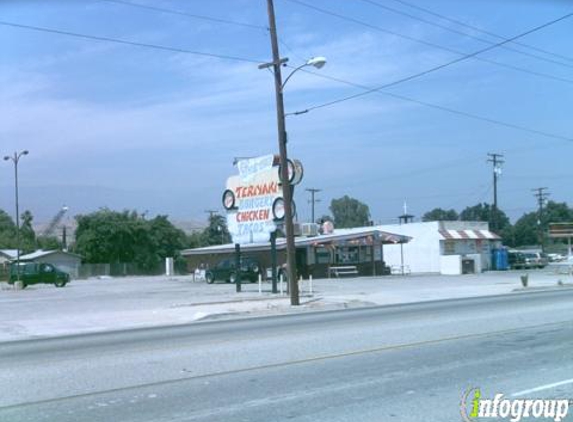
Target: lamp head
[25, 152]
[6, 158]
[317, 62]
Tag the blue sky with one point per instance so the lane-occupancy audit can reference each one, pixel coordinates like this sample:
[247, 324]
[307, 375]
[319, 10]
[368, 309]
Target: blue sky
[131, 127]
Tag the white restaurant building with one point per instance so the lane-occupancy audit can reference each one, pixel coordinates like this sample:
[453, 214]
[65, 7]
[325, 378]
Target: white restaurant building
[443, 247]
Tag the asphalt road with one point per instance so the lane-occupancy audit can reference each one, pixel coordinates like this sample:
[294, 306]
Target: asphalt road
[395, 363]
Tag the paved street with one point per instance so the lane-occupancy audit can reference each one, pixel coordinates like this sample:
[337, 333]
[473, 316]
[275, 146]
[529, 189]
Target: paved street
[394, 363]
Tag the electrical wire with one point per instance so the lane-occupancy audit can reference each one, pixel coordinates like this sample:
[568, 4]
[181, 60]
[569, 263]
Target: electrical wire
[190, 15]
[480, 30]
[127, 42]
[467, 56]
[431, 44]
[427, 104]
[203, 17]
[369, 90]
[465, 34]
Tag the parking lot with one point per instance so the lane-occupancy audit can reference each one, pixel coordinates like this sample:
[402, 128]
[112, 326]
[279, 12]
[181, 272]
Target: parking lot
[131, 302]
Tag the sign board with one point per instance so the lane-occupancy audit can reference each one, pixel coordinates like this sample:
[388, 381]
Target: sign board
[560, 230]
[254, 199]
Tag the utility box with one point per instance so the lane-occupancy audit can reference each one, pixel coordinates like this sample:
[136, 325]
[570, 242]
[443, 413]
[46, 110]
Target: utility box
[169, 267]
[468, 266]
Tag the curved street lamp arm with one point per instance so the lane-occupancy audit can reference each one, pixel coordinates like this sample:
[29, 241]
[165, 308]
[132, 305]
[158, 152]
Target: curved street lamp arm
[292, 73]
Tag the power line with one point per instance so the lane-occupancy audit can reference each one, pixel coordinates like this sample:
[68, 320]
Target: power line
[481, 30]
[202, 17]
[465, 34]
[425, 104]
[127, 42]
[438, 46]
[187, 14]
[436, 68]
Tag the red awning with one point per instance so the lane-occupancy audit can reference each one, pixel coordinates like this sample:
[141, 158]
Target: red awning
[469, 234]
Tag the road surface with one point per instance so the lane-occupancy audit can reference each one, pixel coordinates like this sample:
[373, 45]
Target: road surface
[394, 363]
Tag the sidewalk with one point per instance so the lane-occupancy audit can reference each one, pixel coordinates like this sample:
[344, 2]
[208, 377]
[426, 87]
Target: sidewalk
[96, 305]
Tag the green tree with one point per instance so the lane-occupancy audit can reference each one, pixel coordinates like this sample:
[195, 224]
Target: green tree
[109, 236]
[349, 212]
[216, 232]
[48, 243]
[440, 214]
[27, 234]
[497, 219]
[526, 229]
[7, 231]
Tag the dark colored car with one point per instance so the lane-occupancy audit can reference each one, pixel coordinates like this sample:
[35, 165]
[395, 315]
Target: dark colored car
[37, 273]
[226, 271]
[516, 260]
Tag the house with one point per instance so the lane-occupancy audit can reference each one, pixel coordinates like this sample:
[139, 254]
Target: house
[6, 255]
[65, 261]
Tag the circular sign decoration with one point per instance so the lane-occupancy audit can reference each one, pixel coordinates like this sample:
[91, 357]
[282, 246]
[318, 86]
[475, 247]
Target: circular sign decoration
[279, 209]
[291, 171]
[228, 199]
[298, 172]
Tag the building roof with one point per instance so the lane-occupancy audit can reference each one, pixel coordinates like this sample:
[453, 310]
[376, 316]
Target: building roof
[40, 253]
[468, 234]
[9, 253]
[339, 235]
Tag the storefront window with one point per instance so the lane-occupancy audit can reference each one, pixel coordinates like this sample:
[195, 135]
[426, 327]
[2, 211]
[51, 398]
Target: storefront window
[347, 255]
[322, 255]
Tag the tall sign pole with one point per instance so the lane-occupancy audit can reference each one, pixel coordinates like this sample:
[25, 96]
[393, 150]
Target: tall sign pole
[282, 135]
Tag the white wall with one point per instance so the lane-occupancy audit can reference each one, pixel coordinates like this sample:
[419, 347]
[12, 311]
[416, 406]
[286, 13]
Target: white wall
[451, 264]
[422, 253]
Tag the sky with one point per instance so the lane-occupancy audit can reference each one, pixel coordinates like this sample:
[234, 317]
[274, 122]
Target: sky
[155, 130]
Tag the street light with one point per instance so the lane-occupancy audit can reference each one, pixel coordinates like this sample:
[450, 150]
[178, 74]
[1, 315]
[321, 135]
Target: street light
[317, 62]
[15, 159]
[276, 64]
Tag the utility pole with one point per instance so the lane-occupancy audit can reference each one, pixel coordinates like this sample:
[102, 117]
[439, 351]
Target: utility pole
[282, 135]
[496, 160]
[541, 195]
[312, 201]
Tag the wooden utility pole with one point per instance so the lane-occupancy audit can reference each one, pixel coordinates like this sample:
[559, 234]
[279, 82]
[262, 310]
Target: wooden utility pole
[282, 135]
[496, 160]
[313, 201]
[541, 195]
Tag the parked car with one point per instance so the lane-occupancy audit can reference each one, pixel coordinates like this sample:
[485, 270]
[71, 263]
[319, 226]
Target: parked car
[556, 257]
[226, 271]
[37, 273]
[516, 260]
[536, 259]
